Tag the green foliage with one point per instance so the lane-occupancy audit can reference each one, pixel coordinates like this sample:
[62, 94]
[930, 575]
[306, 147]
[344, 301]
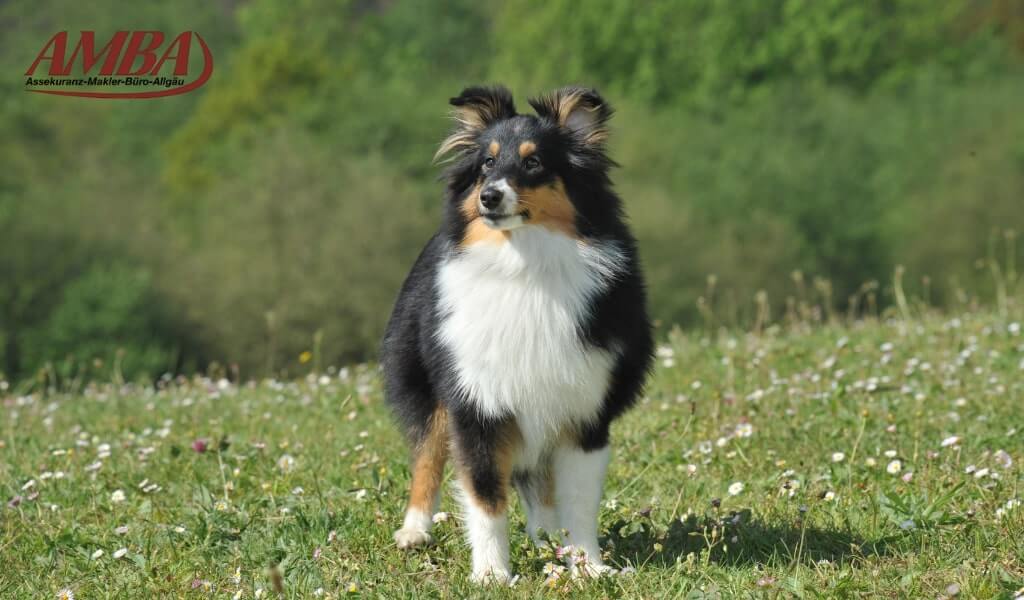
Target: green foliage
[107, 321]
[290, 195]
[278, 256]
[718, 52]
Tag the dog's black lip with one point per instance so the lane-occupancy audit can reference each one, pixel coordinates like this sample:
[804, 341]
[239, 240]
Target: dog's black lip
[525, 214]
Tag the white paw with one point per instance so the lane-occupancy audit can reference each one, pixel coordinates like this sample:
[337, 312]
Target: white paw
[411, 538]
[491, 576]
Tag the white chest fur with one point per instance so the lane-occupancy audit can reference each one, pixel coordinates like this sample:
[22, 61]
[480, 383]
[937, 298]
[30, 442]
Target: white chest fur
[512, 317]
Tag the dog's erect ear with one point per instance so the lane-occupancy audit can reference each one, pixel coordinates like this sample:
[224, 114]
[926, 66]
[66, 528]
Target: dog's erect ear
[579, 110]
[478, 107]
[475, 109]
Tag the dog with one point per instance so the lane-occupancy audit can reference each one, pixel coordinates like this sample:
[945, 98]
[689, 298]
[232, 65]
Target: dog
[521, 331]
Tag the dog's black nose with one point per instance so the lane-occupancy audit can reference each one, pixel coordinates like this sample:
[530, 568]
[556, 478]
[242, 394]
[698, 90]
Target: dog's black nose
[490, 197]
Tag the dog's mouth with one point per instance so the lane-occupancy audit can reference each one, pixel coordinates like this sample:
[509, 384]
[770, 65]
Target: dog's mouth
[496, 220]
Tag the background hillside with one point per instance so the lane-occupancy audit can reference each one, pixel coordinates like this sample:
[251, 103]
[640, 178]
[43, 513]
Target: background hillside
[778, 157]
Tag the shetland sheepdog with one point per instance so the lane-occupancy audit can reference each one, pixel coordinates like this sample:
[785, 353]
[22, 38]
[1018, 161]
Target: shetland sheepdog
[521, 332]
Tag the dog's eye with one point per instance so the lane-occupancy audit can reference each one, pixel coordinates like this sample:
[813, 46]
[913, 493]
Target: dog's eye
[531, 162]
[489, 162]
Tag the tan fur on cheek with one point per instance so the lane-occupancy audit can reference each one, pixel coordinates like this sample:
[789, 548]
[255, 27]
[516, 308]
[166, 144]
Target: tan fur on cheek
[494, 148]
[471, 205]
[550, 207]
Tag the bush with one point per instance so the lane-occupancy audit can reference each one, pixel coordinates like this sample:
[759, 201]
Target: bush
[108, 321]
[308, 241]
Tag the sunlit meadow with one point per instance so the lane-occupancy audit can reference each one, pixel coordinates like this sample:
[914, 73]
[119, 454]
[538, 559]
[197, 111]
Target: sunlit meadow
[876, 459]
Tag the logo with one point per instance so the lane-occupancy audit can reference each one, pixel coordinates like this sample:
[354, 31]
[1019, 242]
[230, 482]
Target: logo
[131, 60]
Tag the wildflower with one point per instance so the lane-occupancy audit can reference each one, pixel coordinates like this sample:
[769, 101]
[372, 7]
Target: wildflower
[28, 484]
[950, 441]
[258, 593]
[360, 494]
[981, 473]
[97, 554]
[298, 491]
[123, 529]
[333, 535]
[691, 469]
[890, 453]
[353, 588]
[221, 505]
[305, 356]
[286, 463]
[894, 467]
[744, 430]
[829, 496]
[838, 457]
[179, 529]
[440, 517]
[94, 466]
[117, 496]
[200, 445]
[65, 594]
[237, 595]
[736, 488]
[1003, 458]
[318, 592]
[120, 552]
[908, 476]
[236, 577]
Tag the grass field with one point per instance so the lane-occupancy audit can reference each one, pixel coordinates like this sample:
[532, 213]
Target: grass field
[880, 459]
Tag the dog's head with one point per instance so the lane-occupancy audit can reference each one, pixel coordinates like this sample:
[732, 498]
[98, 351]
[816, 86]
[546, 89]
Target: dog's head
[513, 170]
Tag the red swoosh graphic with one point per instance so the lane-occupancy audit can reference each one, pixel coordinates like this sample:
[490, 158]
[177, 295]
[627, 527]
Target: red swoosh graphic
[203, 77]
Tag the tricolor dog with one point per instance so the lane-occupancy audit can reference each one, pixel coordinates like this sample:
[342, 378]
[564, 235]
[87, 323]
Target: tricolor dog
[521, 332]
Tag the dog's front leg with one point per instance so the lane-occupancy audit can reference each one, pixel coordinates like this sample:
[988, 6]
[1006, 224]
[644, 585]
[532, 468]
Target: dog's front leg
[579, 480]
[484, 450]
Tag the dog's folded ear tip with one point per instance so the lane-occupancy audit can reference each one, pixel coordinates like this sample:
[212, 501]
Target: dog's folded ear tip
[481, 91]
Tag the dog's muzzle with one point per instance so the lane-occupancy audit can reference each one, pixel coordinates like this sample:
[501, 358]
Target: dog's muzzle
[499, 206]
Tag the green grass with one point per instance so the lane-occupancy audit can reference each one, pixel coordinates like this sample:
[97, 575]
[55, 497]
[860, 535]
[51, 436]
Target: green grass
[304, 482]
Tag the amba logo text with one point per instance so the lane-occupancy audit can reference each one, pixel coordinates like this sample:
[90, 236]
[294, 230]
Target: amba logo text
[131, 59]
